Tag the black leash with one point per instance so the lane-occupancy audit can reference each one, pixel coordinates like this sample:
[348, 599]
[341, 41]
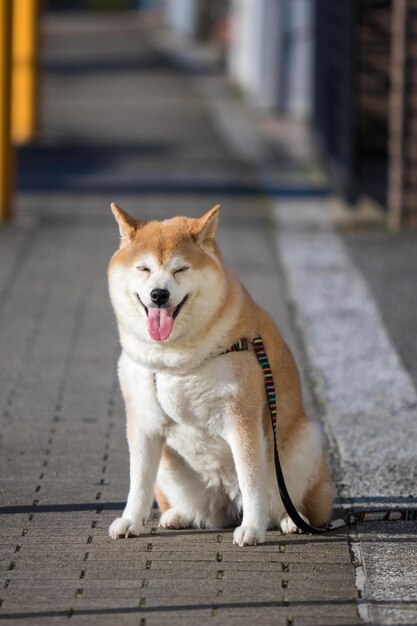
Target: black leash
[262, 357]
[350, 517]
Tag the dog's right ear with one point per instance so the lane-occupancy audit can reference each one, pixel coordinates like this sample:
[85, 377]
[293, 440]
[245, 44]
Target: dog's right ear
[127, 224]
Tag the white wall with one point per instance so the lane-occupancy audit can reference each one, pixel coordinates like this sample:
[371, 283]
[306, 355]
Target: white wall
[246, 50]
[300, 58]
[271, 53]
[181, 16]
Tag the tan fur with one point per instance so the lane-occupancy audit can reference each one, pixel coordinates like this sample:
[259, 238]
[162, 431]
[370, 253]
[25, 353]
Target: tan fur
[161, 499]
[318, 501]
[165, 239]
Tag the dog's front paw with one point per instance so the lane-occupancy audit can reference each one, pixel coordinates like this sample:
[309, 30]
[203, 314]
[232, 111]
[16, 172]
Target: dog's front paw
[247, 536]
[173, 518]
[124, 527]
[288, 526]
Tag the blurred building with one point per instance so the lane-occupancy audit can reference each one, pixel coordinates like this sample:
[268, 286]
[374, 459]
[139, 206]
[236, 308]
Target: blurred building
[348, 67]
[271, 53]
[352, 92]
[365, 112]
[197, 19]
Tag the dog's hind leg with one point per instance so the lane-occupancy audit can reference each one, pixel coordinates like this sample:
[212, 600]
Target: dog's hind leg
[308, 478]
[161, 499]
[183, 498]
[318, 501]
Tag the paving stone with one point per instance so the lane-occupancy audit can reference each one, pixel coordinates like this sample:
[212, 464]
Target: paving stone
[142, 137]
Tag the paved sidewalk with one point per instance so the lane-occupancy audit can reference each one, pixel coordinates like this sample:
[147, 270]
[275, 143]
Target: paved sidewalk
[124, 124]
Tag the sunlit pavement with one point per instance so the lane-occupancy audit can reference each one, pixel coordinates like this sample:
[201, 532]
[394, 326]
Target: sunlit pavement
[123, 123]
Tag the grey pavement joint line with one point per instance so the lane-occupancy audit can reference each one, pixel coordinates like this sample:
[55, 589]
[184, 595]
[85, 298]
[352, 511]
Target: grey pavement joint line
[219, 590]
[364, 607]
[79, 593]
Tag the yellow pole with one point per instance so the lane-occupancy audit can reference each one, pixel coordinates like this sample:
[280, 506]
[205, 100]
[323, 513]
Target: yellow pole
[25, 70]
[6, 154]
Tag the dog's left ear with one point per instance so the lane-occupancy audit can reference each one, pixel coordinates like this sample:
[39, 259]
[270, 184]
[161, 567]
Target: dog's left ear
[206, 227]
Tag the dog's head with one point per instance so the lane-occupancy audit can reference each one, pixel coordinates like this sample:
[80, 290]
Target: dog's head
[167, 277]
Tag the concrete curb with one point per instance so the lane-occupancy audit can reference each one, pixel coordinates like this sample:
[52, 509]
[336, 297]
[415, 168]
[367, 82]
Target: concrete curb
[368, 400]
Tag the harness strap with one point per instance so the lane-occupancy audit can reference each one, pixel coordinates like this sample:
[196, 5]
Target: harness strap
[350, 517]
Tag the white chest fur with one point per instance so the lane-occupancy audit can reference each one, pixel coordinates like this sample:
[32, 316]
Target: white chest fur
[197, 406]
[200, 397]
[190, 410]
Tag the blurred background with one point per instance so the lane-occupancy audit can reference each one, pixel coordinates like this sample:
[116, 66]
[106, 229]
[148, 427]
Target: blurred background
[344, 69]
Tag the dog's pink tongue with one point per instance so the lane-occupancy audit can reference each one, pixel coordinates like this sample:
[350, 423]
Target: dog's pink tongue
[160, 323]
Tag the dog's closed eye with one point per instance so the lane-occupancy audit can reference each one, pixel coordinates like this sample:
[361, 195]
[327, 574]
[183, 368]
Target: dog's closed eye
[143, 268]
[181, 269]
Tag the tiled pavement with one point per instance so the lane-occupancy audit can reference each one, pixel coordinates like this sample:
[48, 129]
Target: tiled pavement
[121, 124]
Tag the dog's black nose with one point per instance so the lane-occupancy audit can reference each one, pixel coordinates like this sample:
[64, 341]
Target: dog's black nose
[160, 296]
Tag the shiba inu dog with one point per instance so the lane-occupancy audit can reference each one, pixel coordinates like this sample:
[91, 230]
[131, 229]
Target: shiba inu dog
[198, 426]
